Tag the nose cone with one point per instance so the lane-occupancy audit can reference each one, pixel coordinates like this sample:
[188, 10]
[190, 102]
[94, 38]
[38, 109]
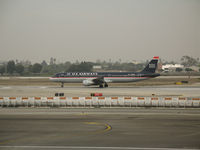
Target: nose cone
[51, 79]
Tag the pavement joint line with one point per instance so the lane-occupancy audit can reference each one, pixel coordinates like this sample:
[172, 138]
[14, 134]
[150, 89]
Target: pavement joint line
[81, 114]
[95, 147]
[98, 113]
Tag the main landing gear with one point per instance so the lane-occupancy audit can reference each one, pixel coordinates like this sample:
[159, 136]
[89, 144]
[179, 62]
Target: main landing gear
[62, 85]
[103, 85]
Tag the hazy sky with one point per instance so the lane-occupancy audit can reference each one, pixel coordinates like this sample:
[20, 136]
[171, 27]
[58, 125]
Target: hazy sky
[88, 30]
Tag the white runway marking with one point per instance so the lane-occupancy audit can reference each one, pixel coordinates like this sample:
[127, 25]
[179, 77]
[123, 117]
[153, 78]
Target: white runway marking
[43, 87]
[6, 87]
[88, 147]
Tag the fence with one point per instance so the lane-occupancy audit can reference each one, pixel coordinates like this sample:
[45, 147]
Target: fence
[100, 102]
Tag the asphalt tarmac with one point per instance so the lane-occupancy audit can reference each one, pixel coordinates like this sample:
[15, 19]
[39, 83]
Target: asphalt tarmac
[118, 128]
[70, 91]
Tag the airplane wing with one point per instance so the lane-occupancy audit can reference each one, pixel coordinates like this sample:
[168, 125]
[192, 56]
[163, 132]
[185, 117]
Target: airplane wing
[99, 80]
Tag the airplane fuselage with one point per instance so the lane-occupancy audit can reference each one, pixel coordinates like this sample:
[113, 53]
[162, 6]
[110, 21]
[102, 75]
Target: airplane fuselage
[116, 77]
[102, 78]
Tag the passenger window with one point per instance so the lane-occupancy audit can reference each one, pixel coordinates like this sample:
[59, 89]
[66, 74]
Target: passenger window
[62, 75]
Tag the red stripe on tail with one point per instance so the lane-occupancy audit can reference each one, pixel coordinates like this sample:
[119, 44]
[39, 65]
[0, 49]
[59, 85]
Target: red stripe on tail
[156, 57]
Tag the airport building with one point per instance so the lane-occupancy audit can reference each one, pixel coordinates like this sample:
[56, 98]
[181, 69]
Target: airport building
[171, 67]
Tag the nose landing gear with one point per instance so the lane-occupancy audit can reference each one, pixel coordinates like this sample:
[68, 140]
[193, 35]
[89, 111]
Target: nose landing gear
[62, 85]
[105, 85]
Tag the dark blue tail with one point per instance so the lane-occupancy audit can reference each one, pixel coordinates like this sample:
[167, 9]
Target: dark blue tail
[152, 66]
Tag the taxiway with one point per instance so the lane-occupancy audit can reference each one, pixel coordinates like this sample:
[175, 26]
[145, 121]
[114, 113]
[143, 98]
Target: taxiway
[168, 90]
[99, 129]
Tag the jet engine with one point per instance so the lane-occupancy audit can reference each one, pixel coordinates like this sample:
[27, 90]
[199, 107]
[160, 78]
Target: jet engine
[88, 82]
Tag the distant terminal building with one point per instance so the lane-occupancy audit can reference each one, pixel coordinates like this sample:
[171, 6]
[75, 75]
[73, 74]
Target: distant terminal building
[195, 68]
[97, 67]
[171, 67]
[135, 62]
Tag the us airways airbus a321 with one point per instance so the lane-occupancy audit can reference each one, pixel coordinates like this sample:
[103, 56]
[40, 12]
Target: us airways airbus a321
[103, 78]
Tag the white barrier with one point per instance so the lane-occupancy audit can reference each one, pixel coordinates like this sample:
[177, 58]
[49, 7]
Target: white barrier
[154, 101]
[100, 101]
[196, 102]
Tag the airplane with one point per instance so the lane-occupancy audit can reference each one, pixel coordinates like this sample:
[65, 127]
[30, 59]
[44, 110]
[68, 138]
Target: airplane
[103, 78]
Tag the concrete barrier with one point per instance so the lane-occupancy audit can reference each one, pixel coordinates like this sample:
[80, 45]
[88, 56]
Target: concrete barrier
[195, 102]
[154, 101]
[100, 102]
[167, 101]
[141, 101]
[175, 102]
[161, 101]
[128, 102]
[95, 101]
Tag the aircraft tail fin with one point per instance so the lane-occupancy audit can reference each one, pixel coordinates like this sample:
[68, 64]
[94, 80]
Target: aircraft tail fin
[152, 65]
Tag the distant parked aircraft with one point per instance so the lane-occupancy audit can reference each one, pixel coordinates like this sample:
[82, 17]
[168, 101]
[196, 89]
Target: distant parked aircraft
[103, 78]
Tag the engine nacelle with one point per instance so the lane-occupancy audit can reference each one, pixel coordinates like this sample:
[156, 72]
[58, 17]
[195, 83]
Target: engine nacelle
[88, 82]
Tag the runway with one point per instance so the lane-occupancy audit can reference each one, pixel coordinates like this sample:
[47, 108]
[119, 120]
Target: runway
[168, 90]
[82, 129]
